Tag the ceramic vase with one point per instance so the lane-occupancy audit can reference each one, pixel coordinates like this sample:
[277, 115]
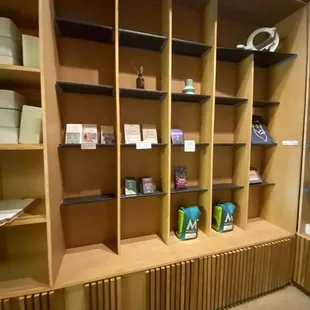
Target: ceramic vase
[188, 89]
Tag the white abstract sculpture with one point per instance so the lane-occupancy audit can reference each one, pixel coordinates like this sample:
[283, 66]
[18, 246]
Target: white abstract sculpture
[270, 44]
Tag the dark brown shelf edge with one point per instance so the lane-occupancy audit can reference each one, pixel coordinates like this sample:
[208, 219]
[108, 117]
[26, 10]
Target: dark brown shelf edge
[189, 189]
[139, 195]
[264, 144]
[197, 144]
[237, 144]
[220, 186]
[87, 199]
[146, 94]
[189, 98]
[84, 88]
[70, 145]
[189, 48]
[261, 184]
[265, 104]
[229, 101]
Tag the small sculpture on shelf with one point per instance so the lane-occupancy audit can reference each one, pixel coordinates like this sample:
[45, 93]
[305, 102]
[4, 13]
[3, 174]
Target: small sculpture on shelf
[254, 177]
[140, 79]
[270, 44]
[188, 89]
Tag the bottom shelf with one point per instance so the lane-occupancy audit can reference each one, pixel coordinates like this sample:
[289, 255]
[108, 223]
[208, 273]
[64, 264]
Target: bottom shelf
[95, 262]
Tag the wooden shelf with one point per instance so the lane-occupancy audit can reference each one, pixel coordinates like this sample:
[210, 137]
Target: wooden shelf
[189, 48]
[270, 59]
[83, 88]
[84, 31]
[96, 262]
[233, 144]
[220, 186]
[70, 145]
[87, 199]
[265, 104]
[139, 195]
[142, 40]
[195, 98]
[234, 55]
[198, 144]
[229, 100]
[264, 144]
[13, 74]
[146, 94]
[21, 147]
[133, 145]
[262, 184]
[189, 189]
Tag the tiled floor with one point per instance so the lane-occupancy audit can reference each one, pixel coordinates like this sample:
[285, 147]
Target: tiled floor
[289, 298]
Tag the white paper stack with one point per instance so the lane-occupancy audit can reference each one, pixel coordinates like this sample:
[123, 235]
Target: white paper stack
[10, 43]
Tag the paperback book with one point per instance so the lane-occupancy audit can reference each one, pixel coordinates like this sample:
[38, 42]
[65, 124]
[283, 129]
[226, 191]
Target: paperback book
[90, 133]
[132, 133]
[149, 133]
[177, 136]
[180, 177]
[74, 133]
[146, 186]
[130, 186]
[107, 135]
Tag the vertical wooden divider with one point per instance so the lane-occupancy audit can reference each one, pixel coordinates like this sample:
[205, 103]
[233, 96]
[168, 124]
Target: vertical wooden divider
[166, 65]
[118, 125]
[243, 134]
[208, 80]
[51, 138]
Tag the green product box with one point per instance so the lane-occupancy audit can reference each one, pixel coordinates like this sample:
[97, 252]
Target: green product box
[223, 217]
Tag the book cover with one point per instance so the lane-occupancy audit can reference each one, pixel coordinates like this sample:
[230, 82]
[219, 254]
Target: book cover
[149, 133]
[260, 133]
[177, 136]
[107, 135]
[146, 186]
[130, 186]
[180, 177]
[132, 133]
[74, 133]
[90, 133]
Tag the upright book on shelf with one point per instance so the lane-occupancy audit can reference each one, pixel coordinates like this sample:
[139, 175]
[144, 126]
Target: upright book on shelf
[132, 133]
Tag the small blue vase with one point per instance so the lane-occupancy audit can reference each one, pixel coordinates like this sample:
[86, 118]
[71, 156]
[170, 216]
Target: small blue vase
[188, 89]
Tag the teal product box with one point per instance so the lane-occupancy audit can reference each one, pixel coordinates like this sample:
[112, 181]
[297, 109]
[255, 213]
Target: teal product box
[223, 217]
[188, 218]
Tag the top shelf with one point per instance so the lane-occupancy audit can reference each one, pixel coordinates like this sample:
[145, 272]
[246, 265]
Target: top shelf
[189, 48]
[261, 59]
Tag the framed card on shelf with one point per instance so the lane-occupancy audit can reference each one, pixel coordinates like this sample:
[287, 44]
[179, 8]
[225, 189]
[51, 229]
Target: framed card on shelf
[132, 133]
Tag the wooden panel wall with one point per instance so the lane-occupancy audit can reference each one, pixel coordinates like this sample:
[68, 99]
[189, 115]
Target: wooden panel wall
[302, 262]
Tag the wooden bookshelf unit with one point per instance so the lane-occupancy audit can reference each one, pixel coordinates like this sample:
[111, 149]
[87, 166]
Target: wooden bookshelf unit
[85, 228]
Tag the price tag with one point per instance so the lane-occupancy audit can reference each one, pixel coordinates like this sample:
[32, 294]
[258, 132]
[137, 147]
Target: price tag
[143, 145]
[88, 146]
[189, 146]
[290, 142]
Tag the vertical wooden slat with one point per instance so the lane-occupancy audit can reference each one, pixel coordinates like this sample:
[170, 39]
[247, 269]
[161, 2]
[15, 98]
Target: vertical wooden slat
[221, 280]
[213, 281]
[118, 293]
[1, 308]
[296, 265]
[6, 304]
[217, 280]
[300, 259]
[225, 283]
[272, 266]
[233, 277]
[268, 268]
[29, 302]
[168, 288]
[106, 285]
[200, 283]
[93, 295]
[153, 289]
[244, 272]
[241, 264]
[87, 296]
[282, 264]
[183, 279]
[44, 301]
[100, 295]
[21, 303]
[148, 289]
[287, 254]
[205, 284]
[37, 302]
[187, 285]
[157, 289]
[304, 262]
[261, 269]
[173, 288]
[237, 276]
[229, 279]
[112, 294]
[251, 267]
[163, 287]
[194, 280]
[178, 283]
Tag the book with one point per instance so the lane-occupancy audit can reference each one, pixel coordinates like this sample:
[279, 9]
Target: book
[146, 185]
[180, 177]
[31, 125]
[254, 177]
[132, 133]
[74, 133]
[11, 209]
[30, 51]
[260, 133]
[177, 136]
[90, 134]
[107, 134]
[130, 186]
[149, 133]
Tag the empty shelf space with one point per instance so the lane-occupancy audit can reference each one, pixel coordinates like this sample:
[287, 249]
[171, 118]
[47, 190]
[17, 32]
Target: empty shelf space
[21, 147]
[262, 184]
[219, 186]
[87, 199]
[142, 93]
[189, 189]
[265, 104]
[232, 54]
[83, 30]
[197, 144]
[69, 145]
[229, 100]
[139, 195]
[189, 48]
[194, 98]
[269, 59]
[233, 144]
[136, 39]
[134, 145]
[19, 75]
[82, 88]
[264, 144]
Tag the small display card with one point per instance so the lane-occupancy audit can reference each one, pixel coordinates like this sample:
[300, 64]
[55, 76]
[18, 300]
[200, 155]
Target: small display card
[189, 146]
[290, 142]
[149, 133]
[143, 145]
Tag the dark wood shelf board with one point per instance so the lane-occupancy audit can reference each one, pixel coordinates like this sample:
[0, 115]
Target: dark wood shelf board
[195, 98]
[83, 30]
[262, 184]
[87, 199]
[189, 189]
[229, 100]
[134, 145]
[234, 55]
[197, 144]
[139, 195]
[229, 144]
[265, 104]
[142, 40]
[269, 59]
[189, 48]
[82, 88]
[264, 144]
[220, 186]
[70, 145]
[142, 93]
